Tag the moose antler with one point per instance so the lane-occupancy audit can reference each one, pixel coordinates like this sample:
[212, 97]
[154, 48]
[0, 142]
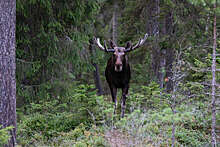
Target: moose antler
[139, 44]
[104, 48]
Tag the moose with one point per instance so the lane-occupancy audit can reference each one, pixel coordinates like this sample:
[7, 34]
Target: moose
[117, 71]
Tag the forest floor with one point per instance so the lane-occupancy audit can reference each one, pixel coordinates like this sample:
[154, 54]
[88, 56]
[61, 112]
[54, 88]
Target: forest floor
[116, 138]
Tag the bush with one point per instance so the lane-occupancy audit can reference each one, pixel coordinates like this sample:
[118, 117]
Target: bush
[47, 119]
[4, 135]
[147, 97]
[154, 128]
[78, 137]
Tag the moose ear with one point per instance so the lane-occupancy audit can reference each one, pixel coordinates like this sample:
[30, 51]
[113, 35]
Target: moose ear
[112, 44]
[128, 45]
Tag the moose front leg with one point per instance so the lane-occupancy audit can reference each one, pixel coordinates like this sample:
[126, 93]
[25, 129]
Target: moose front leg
[114, 97]
[123, 99]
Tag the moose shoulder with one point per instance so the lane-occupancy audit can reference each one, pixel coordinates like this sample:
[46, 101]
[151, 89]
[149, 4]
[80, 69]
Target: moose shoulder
[117, 71]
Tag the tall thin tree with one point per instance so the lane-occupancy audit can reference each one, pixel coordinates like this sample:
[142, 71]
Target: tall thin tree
[115, 21]
[7, 68]
[214, 80]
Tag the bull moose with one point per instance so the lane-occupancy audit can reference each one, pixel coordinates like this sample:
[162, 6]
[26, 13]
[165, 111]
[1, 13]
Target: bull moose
[117, 71]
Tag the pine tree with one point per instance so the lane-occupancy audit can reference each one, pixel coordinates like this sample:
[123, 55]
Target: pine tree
[7, 68]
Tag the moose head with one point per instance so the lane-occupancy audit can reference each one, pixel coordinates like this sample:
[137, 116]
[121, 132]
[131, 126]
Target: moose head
[119, 53]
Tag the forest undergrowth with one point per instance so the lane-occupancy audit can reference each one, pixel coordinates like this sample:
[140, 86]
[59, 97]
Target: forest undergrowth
[84, 119]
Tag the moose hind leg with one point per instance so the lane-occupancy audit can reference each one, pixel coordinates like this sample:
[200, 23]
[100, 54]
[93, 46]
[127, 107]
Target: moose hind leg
[123, 99]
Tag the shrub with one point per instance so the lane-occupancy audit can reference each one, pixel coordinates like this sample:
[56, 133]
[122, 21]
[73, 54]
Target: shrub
[155, 127]
[4, 135]
[47, 119]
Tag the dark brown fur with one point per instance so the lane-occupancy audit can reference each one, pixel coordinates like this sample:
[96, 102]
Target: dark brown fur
[118, 80]
[117, 71]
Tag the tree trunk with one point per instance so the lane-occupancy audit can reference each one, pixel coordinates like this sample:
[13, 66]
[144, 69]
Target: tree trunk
[173, 105]
[162, 68]
[163, 57]
[152, 28]
[214, 81]
[96, 73]
[169, 66]
[115, 22]
[169, 52]
[176, 79]
[7, 68]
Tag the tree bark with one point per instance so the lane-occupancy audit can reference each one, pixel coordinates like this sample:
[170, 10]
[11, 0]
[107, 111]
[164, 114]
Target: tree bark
[115, 21]
[162, 68]
[96, 73]
[176, 79]
[169, 66]
[173, 105]
[169, 51]
[152, 28]
[214, 80]
[7, 68]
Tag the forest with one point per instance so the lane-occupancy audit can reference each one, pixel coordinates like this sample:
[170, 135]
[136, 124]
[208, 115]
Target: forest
[53, 57]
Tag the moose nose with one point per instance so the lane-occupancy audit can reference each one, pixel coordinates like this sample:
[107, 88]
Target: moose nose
[118, 67]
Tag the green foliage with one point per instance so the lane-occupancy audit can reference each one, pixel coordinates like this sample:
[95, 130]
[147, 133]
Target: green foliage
[51, 37]
[78, 137]
[4, 135]
[39, 127]
[155, 127]
[48, 118]
[82, 118]
[147, 97]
